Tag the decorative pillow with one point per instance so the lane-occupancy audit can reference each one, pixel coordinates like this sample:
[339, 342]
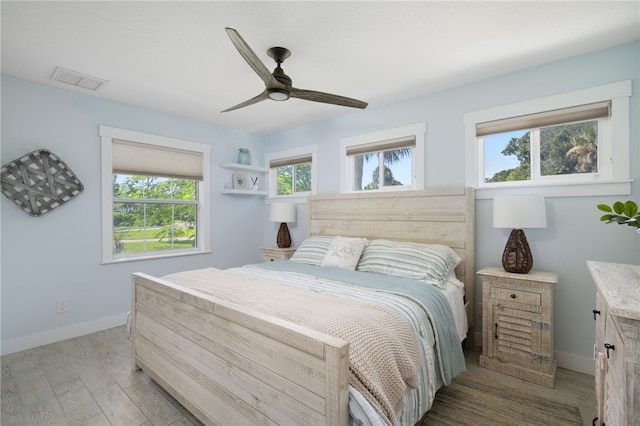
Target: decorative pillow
[429, 262]
[312, 250]
[344, 252]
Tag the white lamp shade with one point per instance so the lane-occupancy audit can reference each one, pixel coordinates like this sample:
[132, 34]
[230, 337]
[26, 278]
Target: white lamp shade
[519, 211]
[282, 212]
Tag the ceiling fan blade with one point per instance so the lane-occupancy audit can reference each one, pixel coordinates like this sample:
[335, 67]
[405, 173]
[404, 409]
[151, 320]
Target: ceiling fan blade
[327, 98]
[252, 59]
[261, 97]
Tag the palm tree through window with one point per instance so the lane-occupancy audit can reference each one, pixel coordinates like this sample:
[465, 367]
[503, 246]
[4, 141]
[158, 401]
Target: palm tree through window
[396, 164]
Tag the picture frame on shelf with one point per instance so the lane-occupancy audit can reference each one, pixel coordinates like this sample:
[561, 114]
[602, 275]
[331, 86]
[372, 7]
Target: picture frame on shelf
[240, 181]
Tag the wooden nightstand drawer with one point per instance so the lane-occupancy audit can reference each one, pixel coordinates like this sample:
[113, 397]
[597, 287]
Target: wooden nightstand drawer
[274, 254]
[516, 296]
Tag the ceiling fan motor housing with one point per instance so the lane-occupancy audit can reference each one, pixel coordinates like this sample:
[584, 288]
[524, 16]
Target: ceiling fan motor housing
[279, 54]
[279, 74]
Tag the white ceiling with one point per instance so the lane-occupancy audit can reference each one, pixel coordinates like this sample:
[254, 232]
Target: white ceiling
[176, 57]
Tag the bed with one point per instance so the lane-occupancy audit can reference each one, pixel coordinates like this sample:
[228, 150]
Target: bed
[231, 363]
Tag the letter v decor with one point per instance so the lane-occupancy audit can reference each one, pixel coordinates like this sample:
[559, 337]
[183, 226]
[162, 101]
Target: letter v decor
[39, 181]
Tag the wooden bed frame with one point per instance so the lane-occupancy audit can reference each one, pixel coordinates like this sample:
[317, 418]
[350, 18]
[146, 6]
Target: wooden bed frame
[228, 365]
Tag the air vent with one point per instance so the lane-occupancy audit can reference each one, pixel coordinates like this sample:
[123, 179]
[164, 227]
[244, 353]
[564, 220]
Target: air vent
[77, 79]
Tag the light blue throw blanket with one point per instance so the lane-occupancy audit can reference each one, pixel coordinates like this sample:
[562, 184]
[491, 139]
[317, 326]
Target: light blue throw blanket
[449, 350]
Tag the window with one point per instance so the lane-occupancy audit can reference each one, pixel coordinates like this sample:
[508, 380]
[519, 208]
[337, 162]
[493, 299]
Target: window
[571, 144]
[561, 144]
[395, 151]
[292, 173]
[153, 196]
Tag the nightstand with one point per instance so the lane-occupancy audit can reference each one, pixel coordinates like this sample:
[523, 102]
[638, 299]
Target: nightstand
[517, 324]
[272, 254]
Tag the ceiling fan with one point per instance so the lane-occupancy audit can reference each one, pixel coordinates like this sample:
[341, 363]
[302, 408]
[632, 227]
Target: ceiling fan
[278, 84]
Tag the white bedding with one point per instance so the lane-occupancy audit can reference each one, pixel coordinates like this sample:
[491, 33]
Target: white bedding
[454, 292]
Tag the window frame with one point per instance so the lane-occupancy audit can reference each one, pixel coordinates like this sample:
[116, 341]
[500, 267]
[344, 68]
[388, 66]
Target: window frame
[613, 177]
[376, 139]
[203, 235]
[292, 154]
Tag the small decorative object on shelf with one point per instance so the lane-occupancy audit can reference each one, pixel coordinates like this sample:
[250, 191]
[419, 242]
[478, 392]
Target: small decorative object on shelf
[240, 181]
[244, 156]
[254, 183]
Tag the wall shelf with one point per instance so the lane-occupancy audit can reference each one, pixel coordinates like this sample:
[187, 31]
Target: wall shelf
[243, 192]
[243, 167]
[251, 171]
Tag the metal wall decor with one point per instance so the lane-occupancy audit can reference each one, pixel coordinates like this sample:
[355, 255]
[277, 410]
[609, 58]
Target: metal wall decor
[39, 181]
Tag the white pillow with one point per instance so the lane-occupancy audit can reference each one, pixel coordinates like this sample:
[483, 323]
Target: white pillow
[344, 252]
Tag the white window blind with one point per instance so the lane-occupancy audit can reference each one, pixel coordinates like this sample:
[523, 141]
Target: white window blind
[134, 158]
[387, 145]
[291, 161]
[547, 118]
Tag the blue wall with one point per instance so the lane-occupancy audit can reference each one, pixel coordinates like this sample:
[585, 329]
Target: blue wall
[574, 233]
[58, 255]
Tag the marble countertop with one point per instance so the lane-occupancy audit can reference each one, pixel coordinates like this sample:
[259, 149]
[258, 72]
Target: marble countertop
[619, 284]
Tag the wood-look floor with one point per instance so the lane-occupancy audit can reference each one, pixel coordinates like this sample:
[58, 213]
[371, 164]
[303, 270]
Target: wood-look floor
[88, 381]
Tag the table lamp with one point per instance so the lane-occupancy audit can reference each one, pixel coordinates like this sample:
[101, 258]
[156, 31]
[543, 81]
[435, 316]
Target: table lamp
[517, 212]
[283, 213]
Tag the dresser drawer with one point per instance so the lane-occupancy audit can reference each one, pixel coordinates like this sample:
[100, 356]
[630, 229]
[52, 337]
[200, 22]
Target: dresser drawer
[615, 358]
[516, 296]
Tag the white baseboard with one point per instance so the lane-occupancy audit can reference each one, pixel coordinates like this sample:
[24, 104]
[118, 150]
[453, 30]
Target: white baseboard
[60, 334]
[564, 360]
[576, 363]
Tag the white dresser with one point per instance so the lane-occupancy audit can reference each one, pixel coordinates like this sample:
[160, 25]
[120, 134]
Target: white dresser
[617, 347]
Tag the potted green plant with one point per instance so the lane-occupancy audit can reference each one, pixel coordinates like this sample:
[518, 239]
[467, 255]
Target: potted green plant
[621, 213]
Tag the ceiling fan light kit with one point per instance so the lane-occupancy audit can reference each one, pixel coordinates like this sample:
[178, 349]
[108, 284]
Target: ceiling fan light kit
[278, 94]
[278, 85]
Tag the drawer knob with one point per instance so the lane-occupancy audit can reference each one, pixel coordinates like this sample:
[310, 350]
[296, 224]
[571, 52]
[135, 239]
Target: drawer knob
[595, 312]
[513, 295]
[608, 346]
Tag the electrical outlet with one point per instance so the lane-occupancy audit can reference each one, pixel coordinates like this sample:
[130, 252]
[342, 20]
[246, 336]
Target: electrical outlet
[62, 305]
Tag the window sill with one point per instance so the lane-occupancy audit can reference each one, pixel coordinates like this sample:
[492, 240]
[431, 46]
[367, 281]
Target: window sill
[555, 190]
[296, 199]
[134, 258]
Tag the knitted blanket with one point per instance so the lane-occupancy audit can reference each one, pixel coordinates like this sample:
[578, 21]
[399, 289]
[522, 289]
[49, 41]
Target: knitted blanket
[383, 355]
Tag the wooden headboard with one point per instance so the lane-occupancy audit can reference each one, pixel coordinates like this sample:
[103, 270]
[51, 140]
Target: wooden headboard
[435, 216]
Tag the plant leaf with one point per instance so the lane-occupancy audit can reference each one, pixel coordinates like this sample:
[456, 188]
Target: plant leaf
[604, 208]
[618, 207]
[630, 208]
